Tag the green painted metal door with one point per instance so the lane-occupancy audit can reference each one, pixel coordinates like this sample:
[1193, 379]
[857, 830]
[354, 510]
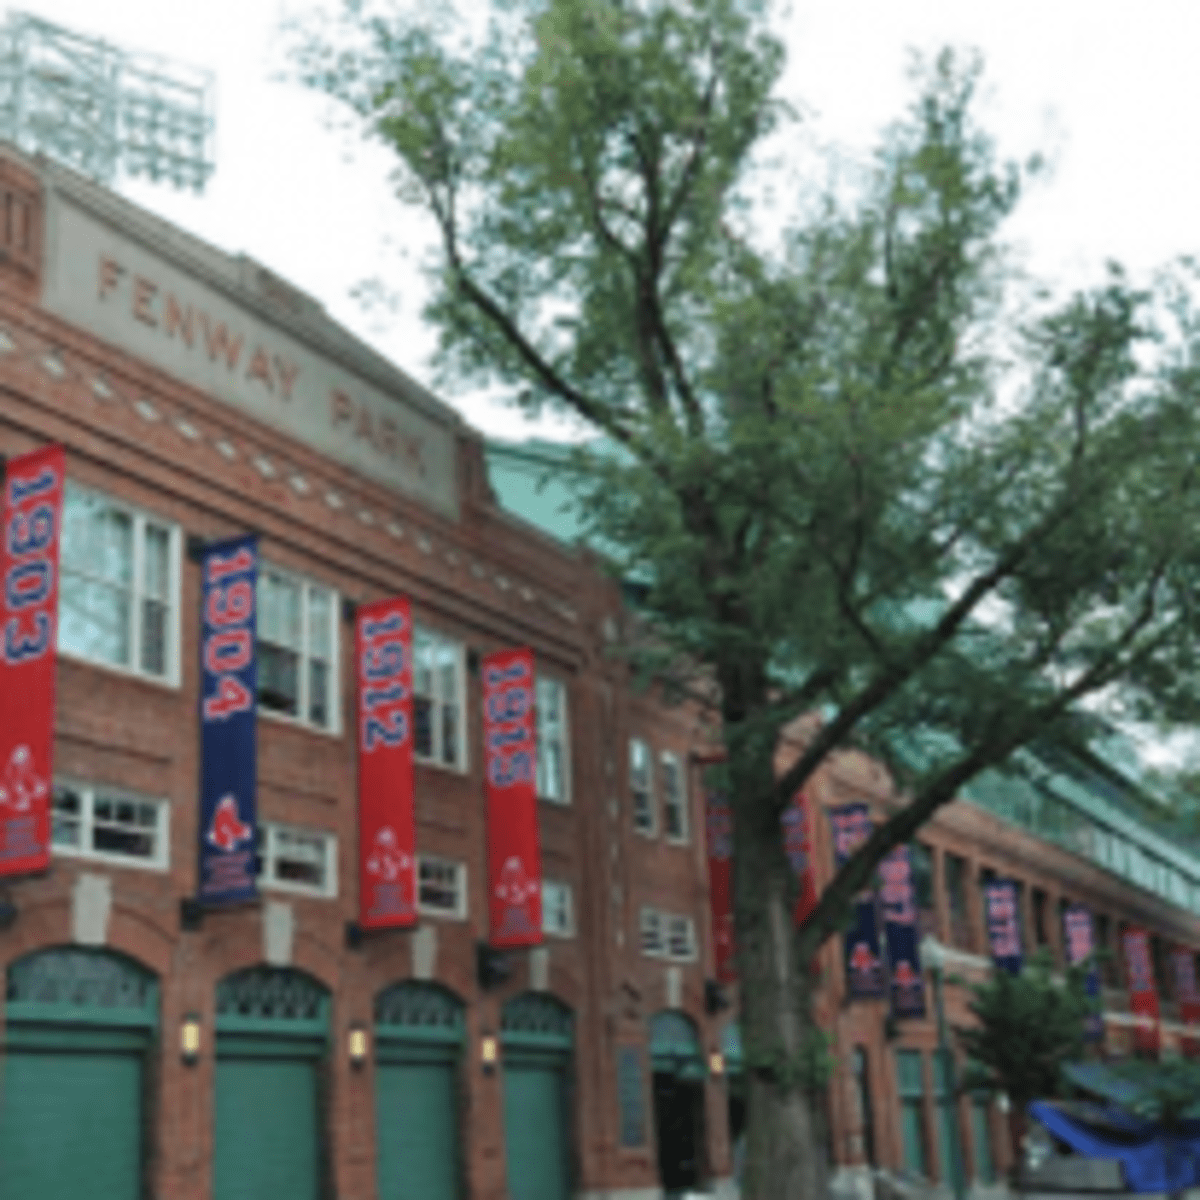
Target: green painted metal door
[70, 1125]
[535, 1126]
[416, 1127]
[267, 1135]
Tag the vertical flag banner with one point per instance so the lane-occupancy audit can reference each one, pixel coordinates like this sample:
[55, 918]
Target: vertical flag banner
[864, 967]
[510, 763]
[1002, 912]
[387, 826]
[906, 985]
[718, 823]
[1143, 994]
[228, 721]
[797, 841]
[1079, 937]
[32, 493]
[1187, 992]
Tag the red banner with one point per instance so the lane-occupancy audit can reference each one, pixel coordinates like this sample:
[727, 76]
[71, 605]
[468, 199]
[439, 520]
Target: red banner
[33, 490]
[797, 841]
[510, 762]
[1143, 995]
[719, 824]
[1187, 992]
[387, 829]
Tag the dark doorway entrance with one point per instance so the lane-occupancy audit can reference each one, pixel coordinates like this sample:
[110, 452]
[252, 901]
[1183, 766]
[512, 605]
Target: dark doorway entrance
[678, 1117]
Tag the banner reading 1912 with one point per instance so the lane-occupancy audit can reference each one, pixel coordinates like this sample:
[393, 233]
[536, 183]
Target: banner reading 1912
[864, 965]
[387, 828]
[510, 763]
[228, 722]
[33, 489]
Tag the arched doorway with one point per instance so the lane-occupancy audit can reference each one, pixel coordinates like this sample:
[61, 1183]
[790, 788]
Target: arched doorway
[419, 1031]
[537, 1037]
[80, 1025]
[272, 1034]
[679, 1070]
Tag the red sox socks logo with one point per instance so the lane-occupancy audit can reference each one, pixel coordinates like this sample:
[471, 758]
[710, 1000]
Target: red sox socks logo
[516, 889]
[863, 962]
[387, 860]
[20, 786]
[228, 830]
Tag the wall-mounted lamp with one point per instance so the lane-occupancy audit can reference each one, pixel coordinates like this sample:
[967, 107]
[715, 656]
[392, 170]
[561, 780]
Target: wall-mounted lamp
[356, 1045]
[716, 1063]
[489, 1052]
[189, 1039]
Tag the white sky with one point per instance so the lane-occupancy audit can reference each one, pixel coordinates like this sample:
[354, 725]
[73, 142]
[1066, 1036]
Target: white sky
[1109, 89]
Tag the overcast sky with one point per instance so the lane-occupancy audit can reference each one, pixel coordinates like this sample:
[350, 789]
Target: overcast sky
[1110, 90]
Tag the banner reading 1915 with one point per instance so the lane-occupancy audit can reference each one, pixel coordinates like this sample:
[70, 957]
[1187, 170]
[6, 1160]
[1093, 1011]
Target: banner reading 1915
[510, 762]
[387, 828]
[33, 489]
[228, 723]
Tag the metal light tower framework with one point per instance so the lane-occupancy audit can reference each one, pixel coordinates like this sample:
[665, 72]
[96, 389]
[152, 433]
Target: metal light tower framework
[103, 110]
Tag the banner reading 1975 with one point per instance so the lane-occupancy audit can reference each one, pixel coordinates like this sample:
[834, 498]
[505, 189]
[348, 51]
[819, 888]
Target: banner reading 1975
[510, 763]
[32, 515]
[387, 828]
[228, 722]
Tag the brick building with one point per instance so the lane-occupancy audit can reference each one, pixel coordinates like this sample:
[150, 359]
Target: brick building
[153, 1051]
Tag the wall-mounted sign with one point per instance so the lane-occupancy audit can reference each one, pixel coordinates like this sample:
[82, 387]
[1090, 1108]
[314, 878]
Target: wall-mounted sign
[1002, 912]
[719, 827]
[864, 964]
[1143, 992]
[906, 984]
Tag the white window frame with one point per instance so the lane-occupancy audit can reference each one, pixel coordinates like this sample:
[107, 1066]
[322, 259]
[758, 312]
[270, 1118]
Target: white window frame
[171, 677]
[651, 830]
[564, 737]
[658, 925]
[334, 698]
[568, 897]
[460, 887]
[268, 850]
[668, 760]
[421, 630]
[650, 928]
[688, 925]
[88, 792]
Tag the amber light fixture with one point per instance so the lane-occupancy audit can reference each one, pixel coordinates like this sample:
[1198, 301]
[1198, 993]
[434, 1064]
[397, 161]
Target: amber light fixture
[716, 1063]
[189, 1039]
[356, 1045]
[489, 1052]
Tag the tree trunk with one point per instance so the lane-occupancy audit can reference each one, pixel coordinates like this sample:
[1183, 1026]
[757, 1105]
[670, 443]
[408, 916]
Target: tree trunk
[785, 1157]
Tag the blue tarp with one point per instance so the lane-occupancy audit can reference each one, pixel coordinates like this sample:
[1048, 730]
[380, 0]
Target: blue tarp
[1150, 1161]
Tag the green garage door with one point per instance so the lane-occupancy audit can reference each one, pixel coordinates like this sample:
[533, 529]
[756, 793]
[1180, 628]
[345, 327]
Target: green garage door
[80, 1024]
[418, 1041]
[537, 1041]
[272, 1028]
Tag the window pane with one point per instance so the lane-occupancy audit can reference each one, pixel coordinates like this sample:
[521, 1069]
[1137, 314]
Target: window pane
[93, 620]
[156, 562]
[318, 693]
[423, 659]
[422, 727]
[66, 816]
[154, 637]
[279, 611]
[438, 885]
[278, 679]
[299, 857]
[449, 734]
[319, 611]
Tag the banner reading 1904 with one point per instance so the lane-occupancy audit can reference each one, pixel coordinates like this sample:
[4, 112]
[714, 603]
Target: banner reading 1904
[510, 762]
[387, 829]
[228, 722]
[32, 515]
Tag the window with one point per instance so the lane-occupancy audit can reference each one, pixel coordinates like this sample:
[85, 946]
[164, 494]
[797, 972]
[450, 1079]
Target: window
[438, 699]
[667, 935]
[553, 781]
[1041, 932]
[119, 594]
[641, 787]
[675, 815]
[955, 869]
[297, 649]
[298, 860]
[921, 858]
[104, 823]
[441, 887]
[558, 909]
[910, 1077]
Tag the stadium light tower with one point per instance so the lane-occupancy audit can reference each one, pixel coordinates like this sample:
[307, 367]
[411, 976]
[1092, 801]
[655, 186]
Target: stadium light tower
[103, 110]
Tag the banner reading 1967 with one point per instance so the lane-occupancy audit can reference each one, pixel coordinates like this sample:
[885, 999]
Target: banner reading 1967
[32, 515]
[228, 722]
[387, 829]
[510, 762]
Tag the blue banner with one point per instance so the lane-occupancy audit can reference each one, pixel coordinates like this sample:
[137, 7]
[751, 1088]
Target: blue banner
[1080, 940]
[1002, 911]
[228, 698]
[906, 985]
[864, 966]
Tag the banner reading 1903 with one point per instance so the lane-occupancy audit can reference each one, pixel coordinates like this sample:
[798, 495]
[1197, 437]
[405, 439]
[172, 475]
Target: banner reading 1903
[32, 514]
[228, 722]
[510, 762]
[387, 828]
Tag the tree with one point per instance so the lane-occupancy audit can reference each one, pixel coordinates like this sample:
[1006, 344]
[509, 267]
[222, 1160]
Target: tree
[1028, 1026]
[865, 471]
